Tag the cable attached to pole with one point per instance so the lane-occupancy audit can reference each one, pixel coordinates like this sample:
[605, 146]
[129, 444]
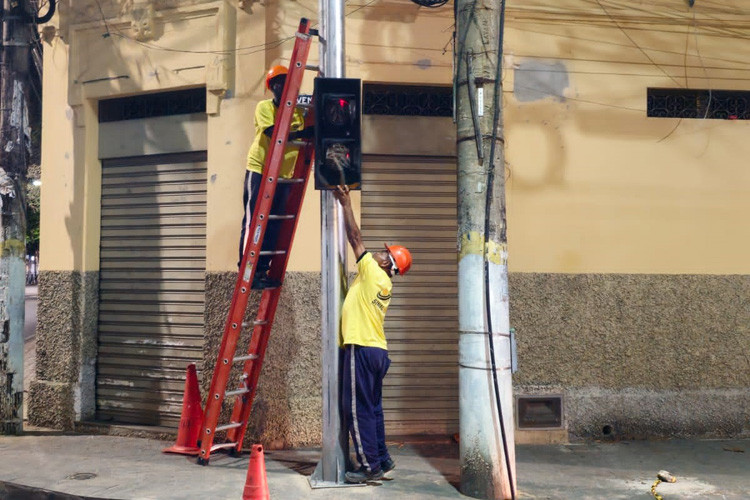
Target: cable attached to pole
[488, 204]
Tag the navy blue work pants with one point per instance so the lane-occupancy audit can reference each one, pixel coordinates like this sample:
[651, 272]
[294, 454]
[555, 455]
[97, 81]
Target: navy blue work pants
[249, 197]
[363, 371]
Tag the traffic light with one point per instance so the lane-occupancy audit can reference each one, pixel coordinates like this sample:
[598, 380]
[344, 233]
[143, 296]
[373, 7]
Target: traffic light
[338, 142]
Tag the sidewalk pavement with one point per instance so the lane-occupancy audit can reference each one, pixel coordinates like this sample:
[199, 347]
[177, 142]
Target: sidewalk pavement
[134, 468]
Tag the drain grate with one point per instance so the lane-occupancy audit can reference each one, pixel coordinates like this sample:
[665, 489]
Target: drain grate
[82, 476]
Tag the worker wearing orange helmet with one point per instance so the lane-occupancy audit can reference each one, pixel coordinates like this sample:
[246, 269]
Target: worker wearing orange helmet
[365, 348]
[265, 118]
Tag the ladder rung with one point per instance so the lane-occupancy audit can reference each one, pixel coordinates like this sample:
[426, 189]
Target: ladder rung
[281, 217]
[225, 427]
[223, 445]
[293, 180]
[312, 67]
[272, 252]
[244, 390]
[298, 144]
[257, 322]
[245, 358]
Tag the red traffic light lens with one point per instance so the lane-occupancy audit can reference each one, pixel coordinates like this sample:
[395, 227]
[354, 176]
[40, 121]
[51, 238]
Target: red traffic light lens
[339, 111]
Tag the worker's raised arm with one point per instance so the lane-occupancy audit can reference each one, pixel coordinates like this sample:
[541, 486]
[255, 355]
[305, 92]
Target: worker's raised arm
[352, 230]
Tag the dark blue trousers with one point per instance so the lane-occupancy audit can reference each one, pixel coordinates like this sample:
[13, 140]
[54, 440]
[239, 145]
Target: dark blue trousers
[249, 197]
[363, 371]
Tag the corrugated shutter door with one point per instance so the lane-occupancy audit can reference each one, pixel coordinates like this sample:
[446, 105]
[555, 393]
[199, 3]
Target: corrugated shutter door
[151, 290]
[412, 201]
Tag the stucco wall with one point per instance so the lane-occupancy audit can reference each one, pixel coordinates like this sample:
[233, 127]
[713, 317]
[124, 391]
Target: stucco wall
[66, 347]
[646, 355]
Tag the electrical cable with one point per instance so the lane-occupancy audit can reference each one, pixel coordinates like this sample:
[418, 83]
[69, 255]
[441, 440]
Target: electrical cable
[50, 12]
[503, 237]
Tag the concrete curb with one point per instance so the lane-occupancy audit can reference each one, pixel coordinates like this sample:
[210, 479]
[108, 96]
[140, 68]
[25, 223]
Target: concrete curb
[13, 491]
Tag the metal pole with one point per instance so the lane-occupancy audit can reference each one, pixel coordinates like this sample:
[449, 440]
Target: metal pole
[331, 469]
[487, 450]
[13, 157]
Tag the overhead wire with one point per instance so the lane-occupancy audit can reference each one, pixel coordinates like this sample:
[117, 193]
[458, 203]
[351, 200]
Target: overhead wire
[247, 50]
[634, 42]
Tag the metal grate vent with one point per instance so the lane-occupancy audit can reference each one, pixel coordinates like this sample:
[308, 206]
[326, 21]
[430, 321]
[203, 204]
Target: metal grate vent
[539, 412]
[181, 102]
[407, 100]
[701, 104]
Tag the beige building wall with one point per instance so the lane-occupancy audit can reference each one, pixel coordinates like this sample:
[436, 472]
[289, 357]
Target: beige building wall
[589, 174]
[626, 233]
[595, 186]
[118, 65]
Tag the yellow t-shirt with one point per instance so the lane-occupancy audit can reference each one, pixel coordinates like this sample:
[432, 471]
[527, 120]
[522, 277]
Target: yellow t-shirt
[363, 313]
[265, 116]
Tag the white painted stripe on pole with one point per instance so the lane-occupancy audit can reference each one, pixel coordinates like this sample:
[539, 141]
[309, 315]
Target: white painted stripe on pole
[357, 436]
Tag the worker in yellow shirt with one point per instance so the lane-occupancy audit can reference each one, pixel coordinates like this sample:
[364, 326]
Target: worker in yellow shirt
[265, 117]
[365, 348]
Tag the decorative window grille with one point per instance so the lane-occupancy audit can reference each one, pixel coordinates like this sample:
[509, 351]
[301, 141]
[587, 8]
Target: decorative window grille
[693, 103]
[180, 102]
[407, 100]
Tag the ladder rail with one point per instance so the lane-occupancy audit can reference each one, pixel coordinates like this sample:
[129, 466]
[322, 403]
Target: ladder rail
[256, 234]
[243, 406]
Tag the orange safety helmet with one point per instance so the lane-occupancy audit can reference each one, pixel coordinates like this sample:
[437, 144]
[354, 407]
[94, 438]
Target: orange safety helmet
[273, 73]
[401, 257]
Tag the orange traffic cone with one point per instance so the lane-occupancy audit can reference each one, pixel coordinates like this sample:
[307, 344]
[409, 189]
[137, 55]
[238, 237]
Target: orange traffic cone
[191, 420]
[256, 487]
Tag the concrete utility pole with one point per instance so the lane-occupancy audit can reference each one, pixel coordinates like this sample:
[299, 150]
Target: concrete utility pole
[486, 437]
[331, 469]
[14, 151]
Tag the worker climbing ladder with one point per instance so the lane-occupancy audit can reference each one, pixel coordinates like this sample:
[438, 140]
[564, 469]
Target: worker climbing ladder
[252, 361]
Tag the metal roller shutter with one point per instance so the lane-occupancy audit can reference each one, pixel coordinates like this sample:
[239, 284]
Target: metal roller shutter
[151, 289]
[412, 201]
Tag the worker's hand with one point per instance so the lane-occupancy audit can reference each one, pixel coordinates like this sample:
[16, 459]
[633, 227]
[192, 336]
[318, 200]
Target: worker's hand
[341, 193]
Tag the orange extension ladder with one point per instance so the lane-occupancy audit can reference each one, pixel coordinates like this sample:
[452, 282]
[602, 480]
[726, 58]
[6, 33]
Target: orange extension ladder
[261, 325]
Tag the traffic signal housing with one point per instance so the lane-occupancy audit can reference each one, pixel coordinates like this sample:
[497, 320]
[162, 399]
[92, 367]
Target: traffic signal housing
[338, 138]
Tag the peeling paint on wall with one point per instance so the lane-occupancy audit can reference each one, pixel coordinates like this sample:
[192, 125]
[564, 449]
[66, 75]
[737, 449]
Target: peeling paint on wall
[538, 80]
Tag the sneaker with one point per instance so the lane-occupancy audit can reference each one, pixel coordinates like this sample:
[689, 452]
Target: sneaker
[387, 465]
[363, 476]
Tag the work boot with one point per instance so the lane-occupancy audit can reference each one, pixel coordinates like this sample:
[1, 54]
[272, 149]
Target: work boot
[261, 281]
[387, 465]
[363, 475]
